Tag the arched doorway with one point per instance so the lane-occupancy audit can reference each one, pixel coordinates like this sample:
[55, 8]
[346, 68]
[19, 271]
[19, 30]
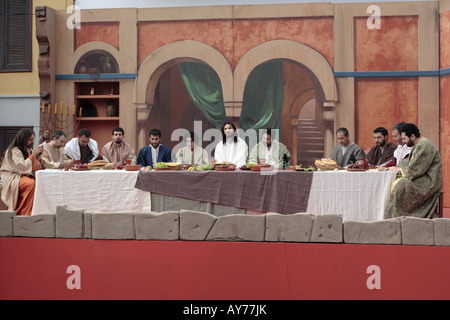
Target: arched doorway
[147, 94]
[306, 75]
[285, 95]
[174, 109]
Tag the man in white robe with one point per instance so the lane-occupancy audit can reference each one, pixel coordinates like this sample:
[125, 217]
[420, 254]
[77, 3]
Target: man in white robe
[231, 149]
[192, 154]
[82, 147]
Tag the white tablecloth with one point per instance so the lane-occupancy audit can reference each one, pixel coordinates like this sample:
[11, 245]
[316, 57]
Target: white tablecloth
[94, 191]
[361, 196]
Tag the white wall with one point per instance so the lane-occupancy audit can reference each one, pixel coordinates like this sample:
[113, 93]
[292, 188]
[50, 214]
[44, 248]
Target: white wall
[20, 110]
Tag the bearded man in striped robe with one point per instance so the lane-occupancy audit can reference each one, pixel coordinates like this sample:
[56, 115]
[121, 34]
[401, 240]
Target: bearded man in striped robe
[19, 163]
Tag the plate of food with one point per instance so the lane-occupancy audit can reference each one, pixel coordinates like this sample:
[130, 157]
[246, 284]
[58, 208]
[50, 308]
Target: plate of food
[259, 167]
[247, 166]
[130, 167]
[174, 165]
[355, 169]
[161, 166]
[224, 166]
[81, 167]
[326, 164]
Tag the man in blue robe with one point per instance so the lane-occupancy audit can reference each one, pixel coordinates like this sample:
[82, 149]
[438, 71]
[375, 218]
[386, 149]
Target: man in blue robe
[155, 152]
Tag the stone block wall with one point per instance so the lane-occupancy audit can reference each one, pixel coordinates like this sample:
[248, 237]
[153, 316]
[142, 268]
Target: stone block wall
[188, 225]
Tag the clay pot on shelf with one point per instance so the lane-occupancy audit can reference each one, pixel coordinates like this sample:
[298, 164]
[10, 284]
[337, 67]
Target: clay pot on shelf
[111, 109]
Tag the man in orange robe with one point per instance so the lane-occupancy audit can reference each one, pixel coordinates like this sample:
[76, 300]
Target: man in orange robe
[18, 165]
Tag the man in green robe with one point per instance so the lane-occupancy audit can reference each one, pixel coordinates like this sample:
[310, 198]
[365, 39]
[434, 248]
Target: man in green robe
[416, 192]
[270, 151]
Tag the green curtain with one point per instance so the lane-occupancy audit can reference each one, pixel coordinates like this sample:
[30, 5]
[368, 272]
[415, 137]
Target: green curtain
[205, 89]
[263, 97]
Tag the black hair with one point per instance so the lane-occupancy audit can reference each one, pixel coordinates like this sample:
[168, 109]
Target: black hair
[84, 132]
[191, 135]
[20, 141]
[381, 130]
[58, 133]
[118, 129]
[224, 136]
[154, 132]
[409, 129]
[343, 130]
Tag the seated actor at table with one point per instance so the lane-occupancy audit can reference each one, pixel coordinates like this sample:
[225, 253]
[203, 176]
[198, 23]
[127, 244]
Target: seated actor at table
[383, 151]
[18, 165]
[117, 150]
[231, 149]
[272, 151]
[346, 152]
[82, 147]
[192, 153]
[155, 152]
[416, 192]
[402, 150]
[53, 156]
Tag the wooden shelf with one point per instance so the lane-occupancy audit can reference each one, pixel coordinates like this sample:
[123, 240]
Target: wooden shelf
[97, 118]
[98, 96]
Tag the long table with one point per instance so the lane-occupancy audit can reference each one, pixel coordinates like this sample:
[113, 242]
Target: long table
[93, 190]
[359, 196]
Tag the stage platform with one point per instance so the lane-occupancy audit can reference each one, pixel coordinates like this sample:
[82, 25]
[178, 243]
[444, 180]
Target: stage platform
[43, 268]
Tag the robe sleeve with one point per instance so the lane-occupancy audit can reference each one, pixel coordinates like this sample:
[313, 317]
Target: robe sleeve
[47, 163]
[218, 153]
[132, 157]
[23, 166]
[241, 157]
[420, 162]
[253, 158]
[205, 158]
[370, 156]
[141, 160]
[180, 155]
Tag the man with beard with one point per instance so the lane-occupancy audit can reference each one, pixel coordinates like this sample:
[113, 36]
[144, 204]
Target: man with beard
[383, 151]
[53, 156]
[155, 152]
[402, 150]
[416, 192]
[82, 147]
[269, 150]
[117, 151]
[17, 172]
[231, 149]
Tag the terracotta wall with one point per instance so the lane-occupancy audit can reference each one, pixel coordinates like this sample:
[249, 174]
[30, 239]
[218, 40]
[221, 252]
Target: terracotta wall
[103, 31]
[382, 102]
[234, 38]
[444, 20]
